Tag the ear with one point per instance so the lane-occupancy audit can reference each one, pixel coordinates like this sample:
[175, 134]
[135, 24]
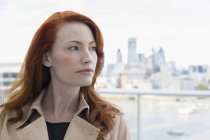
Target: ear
[46, 61]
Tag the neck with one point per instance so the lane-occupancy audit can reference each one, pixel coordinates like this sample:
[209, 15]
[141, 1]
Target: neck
[61, 103]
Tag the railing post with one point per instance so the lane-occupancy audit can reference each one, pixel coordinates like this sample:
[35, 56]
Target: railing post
[138, 117]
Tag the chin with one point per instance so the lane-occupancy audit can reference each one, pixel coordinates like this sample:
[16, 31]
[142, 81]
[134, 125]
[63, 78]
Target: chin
[86, 83]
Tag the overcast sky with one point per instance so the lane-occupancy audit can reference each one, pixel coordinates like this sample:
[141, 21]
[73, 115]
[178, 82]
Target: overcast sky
[180, 27]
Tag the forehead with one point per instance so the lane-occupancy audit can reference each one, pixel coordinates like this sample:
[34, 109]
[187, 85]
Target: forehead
[74, 31]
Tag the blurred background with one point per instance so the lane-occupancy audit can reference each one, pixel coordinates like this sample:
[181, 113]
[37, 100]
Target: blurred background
[157, 64]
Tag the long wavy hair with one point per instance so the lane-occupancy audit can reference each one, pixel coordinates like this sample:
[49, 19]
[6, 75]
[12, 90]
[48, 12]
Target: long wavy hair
[34, 77]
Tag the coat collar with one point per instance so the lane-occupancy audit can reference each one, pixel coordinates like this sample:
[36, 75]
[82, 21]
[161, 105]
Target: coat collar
[79, 129]
[36, 106]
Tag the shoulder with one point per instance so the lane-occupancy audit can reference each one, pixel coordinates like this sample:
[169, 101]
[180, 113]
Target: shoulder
[122, 127]
[120, 130]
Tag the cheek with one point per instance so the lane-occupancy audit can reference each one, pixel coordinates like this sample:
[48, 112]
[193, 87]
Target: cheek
[64, 61]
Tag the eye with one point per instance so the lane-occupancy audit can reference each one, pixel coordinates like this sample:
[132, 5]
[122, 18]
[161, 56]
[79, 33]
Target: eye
[73, 48]
[93, 48]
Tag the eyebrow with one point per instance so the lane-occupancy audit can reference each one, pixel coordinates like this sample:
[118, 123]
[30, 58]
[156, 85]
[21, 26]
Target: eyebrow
[78, 42]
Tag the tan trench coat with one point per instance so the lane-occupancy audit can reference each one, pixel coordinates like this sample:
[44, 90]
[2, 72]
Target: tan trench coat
[33, 125]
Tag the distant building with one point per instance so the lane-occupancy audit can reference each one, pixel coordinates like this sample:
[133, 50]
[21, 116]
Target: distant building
[132, 56]
[8, 73]
[121, 81]
[198, 68]
[140, 57]
[119, 56]
[153, 71]
[158, 59]
[187, 84]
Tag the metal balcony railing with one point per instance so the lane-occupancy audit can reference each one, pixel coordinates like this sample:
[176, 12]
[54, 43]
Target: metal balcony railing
[160, 93]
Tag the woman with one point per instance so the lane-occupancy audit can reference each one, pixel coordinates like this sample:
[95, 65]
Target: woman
[53, 96]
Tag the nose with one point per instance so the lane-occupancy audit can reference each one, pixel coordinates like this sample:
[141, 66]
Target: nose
[86, 58]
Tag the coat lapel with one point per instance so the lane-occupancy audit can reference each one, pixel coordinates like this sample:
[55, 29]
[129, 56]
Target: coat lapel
[80, 129]
[36, 130]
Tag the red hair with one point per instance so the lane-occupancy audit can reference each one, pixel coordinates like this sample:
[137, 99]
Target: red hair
[25, 90]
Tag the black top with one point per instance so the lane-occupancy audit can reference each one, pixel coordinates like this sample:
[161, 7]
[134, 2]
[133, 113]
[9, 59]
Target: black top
[57, 131]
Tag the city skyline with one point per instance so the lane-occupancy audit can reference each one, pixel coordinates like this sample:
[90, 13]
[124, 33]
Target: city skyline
[181, 28]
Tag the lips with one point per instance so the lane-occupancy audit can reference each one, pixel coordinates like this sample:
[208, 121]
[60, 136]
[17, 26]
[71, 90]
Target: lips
[85, 70]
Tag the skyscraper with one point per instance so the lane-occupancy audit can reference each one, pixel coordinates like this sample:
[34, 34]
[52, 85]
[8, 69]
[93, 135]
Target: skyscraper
[132, 56]
[158, 59]
[119, 56]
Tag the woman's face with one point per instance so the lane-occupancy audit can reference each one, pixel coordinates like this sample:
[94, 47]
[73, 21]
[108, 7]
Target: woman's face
[73, 56]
